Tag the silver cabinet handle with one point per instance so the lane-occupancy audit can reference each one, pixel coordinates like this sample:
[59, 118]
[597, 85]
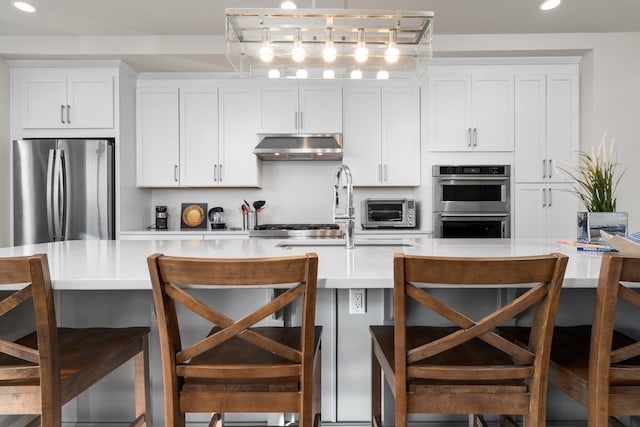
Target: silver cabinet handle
[544, 197]
[295, 120]
[544, 168]
[301, 122]
[61, 113]
[68, 113]
[380, 172]
[550, 201]
[469, 137]
[215, 172]
[220, 174]
[550, 168]
[475, 137]
[175, 173]
[386, 173]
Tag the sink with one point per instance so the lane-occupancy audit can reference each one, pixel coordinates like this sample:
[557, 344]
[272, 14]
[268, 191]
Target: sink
[340, 242]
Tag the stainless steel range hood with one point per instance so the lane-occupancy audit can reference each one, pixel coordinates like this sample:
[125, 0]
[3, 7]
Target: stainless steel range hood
[300, 147]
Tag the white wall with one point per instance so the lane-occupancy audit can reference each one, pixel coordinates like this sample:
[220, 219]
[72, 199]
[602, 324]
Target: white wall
[5, 159]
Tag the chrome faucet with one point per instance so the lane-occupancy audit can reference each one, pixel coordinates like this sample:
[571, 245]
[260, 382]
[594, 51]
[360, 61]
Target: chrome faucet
[348, 216]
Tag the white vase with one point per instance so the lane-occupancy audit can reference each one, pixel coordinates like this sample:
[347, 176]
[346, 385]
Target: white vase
[590, 224]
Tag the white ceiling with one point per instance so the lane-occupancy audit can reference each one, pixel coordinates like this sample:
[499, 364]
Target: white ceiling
[137, 19]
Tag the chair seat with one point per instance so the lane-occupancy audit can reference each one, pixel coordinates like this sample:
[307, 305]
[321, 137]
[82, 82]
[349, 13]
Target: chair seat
[81, 350]
[472, 353]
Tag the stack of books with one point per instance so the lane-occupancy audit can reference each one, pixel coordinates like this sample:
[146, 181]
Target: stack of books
[588, 247]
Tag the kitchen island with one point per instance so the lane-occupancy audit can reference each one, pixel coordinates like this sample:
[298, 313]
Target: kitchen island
[107, 283]
[121, 265]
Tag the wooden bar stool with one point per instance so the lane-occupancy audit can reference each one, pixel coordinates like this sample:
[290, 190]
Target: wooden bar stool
[467, 368]
[238, 367]
[42, 371]
[596, 364]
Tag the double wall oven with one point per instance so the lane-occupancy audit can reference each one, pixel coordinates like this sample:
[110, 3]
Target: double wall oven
[472, 201]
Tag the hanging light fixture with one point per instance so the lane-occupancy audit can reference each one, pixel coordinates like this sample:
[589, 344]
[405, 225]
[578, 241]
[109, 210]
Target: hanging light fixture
[361, 53]
[382, 75]
[266, 51]
[356, 74]
[298, 53]
[329, 52]
[398, 42]
[302, 73]
[274, 73]
[392, 53]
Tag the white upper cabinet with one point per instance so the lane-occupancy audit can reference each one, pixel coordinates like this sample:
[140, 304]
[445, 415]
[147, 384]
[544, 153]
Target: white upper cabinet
[196, 137]
[158, 137]
[238, 165]
[546, 119]
[304, 109]
[470, 110]
[58, 98]
[382, 136]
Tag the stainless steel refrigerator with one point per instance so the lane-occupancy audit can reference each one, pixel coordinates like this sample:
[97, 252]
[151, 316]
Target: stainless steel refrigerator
[63, 189]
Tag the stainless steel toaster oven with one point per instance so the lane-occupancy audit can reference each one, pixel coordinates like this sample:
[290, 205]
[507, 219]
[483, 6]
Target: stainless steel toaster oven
[389, 213]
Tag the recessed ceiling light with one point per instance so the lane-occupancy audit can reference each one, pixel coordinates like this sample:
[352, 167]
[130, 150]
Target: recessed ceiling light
[24, 6]
[550, 4]
[287, 5]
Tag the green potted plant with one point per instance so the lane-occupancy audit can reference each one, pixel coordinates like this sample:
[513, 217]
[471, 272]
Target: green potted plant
[596, 184]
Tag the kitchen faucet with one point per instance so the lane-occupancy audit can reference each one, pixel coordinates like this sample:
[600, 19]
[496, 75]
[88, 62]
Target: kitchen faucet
[348, 216]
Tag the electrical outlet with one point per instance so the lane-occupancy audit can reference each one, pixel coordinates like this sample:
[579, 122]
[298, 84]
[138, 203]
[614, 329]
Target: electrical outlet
[357, 301]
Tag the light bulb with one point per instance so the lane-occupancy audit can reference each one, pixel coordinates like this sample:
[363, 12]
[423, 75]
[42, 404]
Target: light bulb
[382, 75]
[266, 52]
[356, 74]
[361, 53]
[274, 73]
[328, 74]
[392, 53]
[329, 52]
[301, 73]
[298, 53]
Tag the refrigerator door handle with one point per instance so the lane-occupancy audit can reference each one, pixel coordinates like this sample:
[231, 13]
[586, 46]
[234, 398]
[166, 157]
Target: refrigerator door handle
[50, 190]
[63, 192]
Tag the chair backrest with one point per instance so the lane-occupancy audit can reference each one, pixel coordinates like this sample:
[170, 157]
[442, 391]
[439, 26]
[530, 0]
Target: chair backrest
[26, 361]
[544, 276]
[607, 366]
[173, 277]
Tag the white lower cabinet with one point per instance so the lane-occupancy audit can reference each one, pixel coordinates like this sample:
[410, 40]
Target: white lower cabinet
[545, 211]
[381, 131]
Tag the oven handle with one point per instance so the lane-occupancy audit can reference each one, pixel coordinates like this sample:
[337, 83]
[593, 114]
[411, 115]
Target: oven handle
[446, 215]
[472, 178]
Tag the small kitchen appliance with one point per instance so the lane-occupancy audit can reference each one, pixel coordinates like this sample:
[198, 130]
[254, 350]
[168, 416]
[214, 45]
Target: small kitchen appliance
[389, 213]
[216, 218]
[161, 218]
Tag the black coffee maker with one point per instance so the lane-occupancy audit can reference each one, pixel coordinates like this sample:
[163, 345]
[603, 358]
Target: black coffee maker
[161, 217]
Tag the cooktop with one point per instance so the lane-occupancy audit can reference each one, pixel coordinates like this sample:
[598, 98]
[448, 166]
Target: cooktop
[296, 230]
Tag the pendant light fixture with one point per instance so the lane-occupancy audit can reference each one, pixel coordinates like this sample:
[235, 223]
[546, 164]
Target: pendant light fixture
[333, 40]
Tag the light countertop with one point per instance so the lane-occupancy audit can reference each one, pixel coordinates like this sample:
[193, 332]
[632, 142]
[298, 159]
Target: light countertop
[121, 264]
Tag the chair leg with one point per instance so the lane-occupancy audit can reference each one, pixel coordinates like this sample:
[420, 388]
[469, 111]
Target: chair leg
[142, 386]
[376, 391]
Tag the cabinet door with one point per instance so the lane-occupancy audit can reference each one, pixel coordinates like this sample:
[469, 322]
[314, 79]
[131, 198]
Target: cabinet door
[450, 112]
[562, 122]
[90, 99]
[530, 128]
[320, 109]
[240, 167]
[401, 136]
[492, 98]
[530, 211]
[278, 110]
[43, 97]
[157, 131]
[199, 137]
[362, 135]
[562, 208]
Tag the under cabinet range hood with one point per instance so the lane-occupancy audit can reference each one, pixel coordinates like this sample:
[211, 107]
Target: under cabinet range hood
[300, 147]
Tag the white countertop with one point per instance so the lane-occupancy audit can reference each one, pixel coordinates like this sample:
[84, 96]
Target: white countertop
[121, 264]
